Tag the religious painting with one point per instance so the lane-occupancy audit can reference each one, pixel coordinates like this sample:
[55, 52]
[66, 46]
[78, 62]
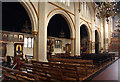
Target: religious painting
[58, 44]
[5, 37]
[21, 38]
[50, 44]
[18, 50]
[10, 37]
[15, 37]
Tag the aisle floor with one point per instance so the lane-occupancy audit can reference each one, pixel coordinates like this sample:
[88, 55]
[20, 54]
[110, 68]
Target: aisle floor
[111, 73]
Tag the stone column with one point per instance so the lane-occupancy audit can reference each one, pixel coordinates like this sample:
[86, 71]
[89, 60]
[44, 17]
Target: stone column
[42, 33]
[99, 46]
[72, 46]
[90, 47]
[35, 55]
[77, 32]
[93, 36]
[93, 47]
[104, 35]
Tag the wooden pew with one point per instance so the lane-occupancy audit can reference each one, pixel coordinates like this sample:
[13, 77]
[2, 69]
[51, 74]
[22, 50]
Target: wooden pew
[9, 74]
[87, 65]
[98, 59]
[80, 69]
[28, 58]
[53, 72]
[62, 55]
[12, 74]
[64, 67]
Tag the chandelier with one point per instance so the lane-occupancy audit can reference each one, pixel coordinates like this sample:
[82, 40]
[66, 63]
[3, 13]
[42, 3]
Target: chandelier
[27, 28]
[106, 9]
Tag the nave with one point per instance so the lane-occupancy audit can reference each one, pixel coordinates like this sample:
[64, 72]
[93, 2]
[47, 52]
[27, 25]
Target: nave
[55, 41]
[57, 69]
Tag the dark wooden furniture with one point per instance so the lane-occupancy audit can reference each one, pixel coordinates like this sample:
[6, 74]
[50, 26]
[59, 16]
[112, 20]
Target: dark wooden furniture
[12, 74]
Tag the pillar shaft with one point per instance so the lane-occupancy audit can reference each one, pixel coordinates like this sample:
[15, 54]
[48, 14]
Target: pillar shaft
[72, 46]
[90, 48]
[35, 45]
[42, 33]
[93, 36]
[77, 21]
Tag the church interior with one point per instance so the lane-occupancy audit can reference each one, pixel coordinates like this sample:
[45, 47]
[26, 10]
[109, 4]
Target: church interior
[60, 40]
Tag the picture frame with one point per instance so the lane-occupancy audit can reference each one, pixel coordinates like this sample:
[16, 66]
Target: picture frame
[10, 37]
[21, 38]
[15, 38]
[4, 36]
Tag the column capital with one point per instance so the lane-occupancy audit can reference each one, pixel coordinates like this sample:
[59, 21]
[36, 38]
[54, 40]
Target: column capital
[35, 32]
[72, 38]
[89, 41]
[102, 48]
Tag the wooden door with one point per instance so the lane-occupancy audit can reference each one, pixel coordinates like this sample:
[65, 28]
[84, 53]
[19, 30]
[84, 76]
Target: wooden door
[3, 49]
[68, 48]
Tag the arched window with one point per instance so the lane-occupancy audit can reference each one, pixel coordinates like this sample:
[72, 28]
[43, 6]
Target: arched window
[29, 42]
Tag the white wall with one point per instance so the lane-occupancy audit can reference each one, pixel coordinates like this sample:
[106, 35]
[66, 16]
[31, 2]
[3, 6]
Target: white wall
[10, 46]
[27, 51]
[10, 49]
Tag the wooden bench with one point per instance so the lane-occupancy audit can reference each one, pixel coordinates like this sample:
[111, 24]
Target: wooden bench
[80, 70]
[87, 65]
[28, 58]
[54, 72]
[98, 59]
[12, 74]
[62, 55]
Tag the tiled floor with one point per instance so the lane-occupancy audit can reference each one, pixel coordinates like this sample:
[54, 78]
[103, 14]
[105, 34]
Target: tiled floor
[112, 73]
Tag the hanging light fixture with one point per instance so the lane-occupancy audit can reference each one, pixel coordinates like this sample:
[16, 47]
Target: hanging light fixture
[62, 34]
[106, 9]
[26, 28]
